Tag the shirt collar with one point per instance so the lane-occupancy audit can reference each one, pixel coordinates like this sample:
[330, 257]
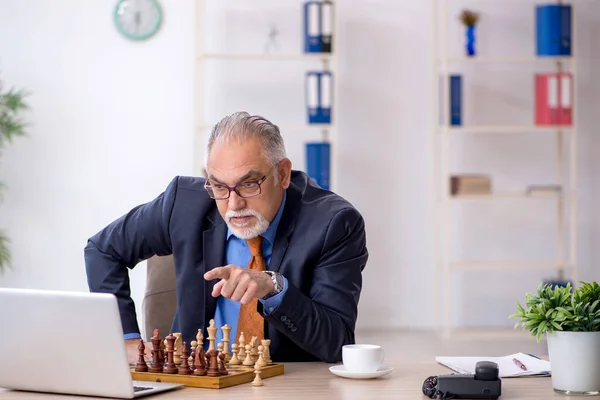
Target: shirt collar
[272, 229]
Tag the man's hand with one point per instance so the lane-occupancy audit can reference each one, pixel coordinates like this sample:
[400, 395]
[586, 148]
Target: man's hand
[240, 284]
[131, 345]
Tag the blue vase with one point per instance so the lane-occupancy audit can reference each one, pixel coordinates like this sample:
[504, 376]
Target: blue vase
[470, 45]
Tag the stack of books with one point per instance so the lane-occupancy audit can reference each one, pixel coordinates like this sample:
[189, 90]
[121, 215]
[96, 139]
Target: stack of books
[470, 185]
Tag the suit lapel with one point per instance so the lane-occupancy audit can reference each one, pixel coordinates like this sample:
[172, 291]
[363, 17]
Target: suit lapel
[285, 228]
[213, 249]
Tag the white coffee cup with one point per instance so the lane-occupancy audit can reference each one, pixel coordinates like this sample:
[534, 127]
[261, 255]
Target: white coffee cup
[362, 357]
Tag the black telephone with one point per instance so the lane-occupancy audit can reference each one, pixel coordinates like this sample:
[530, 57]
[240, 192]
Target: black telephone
[485, 384]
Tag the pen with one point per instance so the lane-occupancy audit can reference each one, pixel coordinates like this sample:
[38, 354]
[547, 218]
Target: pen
[520, 364]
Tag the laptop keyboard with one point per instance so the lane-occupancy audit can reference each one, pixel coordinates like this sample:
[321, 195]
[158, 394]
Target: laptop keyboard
[140, 388]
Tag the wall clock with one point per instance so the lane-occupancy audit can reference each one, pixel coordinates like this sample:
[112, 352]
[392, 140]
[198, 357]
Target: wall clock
[137, 19]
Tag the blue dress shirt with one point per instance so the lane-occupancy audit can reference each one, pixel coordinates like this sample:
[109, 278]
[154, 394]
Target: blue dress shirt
[238, 253]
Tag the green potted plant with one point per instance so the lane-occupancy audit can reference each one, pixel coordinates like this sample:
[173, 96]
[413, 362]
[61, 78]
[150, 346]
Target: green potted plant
[569, 318]
[12, 105]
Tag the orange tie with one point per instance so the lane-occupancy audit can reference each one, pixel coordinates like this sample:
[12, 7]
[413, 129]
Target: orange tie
[250, 321]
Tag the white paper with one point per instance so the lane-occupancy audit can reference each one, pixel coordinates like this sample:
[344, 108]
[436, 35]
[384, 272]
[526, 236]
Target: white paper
[506, 366]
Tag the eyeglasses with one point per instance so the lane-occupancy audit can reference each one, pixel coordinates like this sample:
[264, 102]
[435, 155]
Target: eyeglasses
[244, 190]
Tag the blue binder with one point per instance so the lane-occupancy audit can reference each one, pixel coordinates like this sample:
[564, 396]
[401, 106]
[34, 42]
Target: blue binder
[312, 27]
[553, 30]
[319, 96]
[455, 100]
[318, 163]
[326, 25]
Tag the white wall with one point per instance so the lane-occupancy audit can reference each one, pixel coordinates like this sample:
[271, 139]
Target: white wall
[85, 111]
[111, 124]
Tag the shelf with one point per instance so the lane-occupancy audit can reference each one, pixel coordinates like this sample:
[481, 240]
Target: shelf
[507, 195]
[269, 57]
[471, 265]
[505, 128]
[507, 60]
[562, 205]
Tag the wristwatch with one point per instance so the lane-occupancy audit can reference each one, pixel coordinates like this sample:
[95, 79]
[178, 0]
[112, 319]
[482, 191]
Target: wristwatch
[277, 283]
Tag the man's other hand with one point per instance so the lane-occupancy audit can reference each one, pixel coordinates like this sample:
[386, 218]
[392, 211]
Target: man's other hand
[239, 284]
[131, 345]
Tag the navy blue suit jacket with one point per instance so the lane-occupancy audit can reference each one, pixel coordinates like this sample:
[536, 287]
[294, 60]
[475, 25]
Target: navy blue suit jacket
[320, 247]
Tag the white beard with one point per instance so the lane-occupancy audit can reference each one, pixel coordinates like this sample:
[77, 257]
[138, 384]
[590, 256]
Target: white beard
[246, 231]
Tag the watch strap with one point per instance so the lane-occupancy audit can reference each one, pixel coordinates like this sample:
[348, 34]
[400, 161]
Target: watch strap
[277, 288]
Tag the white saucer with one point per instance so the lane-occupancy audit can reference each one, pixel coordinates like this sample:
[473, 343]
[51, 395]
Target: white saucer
[340, 370]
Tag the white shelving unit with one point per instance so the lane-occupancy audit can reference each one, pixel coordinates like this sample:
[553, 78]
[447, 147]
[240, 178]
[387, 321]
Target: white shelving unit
[566, 204]
[324, 61]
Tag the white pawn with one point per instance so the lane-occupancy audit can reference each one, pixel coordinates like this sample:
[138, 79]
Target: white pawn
[248, 361]
[261, 361]
[234, 360]
[257, 380]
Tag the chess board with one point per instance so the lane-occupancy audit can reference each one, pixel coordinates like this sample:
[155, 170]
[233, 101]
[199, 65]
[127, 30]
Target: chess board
[238, 374]
[219, 367]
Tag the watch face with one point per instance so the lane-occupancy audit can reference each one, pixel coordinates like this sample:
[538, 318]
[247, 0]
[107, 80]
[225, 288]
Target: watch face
[137, 19]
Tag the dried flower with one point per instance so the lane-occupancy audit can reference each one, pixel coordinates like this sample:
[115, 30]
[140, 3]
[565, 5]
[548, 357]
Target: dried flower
[469, 18]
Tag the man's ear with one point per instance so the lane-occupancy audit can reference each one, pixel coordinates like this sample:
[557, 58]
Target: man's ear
[285, 172]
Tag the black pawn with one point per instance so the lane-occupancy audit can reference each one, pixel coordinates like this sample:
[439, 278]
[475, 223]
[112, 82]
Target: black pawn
[184, 368]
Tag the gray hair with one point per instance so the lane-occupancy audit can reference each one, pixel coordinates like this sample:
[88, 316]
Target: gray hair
[240, 126]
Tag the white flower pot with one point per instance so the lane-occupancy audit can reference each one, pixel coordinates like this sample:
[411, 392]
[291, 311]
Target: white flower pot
[575, 362]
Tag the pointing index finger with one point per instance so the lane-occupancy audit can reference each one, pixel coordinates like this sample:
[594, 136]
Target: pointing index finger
[216, 273]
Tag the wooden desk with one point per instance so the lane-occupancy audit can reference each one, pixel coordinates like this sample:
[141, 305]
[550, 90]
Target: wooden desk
[314, 381]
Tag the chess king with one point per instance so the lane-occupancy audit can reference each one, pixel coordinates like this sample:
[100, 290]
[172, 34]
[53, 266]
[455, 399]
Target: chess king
[257, 246]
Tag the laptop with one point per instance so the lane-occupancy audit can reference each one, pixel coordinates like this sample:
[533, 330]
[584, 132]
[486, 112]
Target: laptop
[66, 342]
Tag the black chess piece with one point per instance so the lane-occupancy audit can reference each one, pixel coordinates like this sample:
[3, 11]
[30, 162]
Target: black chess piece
[141, 365]
[184, 368]
[170, 367]
[156, 365]
[213, 366]
[222, 369]
[199, 362]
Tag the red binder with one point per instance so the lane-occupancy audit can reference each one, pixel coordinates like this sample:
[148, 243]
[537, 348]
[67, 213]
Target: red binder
[554, 99]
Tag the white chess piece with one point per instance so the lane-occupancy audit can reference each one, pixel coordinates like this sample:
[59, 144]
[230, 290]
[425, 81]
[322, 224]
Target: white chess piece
[257, 379]
[248, 361]
[234, 360]
[261, 360]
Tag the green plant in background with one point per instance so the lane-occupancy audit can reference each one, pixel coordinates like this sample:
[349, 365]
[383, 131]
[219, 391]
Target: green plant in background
[560, 308]
[12, 105]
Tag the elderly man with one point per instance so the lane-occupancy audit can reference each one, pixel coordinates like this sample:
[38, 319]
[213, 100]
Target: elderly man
[256, 246]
